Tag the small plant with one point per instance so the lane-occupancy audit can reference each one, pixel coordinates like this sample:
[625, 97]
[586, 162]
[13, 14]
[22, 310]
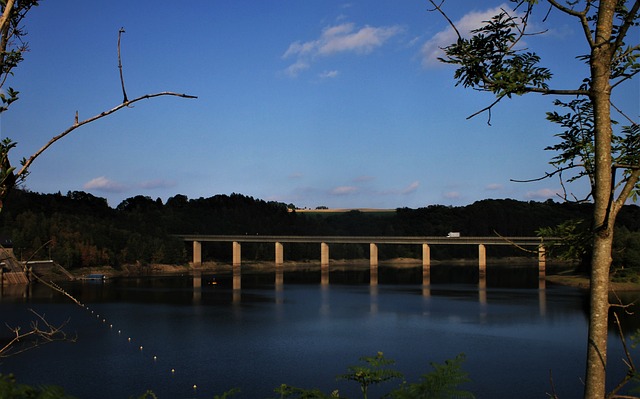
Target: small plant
[374, 372]
[9, 388]
[288, 392]
[441, 383]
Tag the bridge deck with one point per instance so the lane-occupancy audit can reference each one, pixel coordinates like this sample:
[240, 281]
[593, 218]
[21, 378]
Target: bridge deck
[490, 240]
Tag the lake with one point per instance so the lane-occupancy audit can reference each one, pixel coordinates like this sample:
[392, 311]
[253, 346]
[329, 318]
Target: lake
[195, 337]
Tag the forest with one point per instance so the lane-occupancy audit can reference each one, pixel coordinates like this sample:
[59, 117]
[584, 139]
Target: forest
[80, 230]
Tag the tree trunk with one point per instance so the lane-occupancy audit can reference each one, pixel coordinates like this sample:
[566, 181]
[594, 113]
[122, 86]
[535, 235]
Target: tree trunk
[603, 214]
[599, 319]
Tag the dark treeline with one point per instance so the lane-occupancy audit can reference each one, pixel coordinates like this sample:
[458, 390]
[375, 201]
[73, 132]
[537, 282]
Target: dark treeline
[79, 229]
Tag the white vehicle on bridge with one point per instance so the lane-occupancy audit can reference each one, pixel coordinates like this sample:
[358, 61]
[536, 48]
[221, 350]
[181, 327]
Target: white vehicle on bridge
[453, 234]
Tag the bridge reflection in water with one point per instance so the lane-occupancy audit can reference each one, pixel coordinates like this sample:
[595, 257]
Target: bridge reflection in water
[426, 284]
[426, 242]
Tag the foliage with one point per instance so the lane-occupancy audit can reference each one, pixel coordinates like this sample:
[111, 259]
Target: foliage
[9, 388]
[576, 149]
[489, 62]
[81, 230]
[375, 371]
[441, 383]
[575, 241]
[288, 392]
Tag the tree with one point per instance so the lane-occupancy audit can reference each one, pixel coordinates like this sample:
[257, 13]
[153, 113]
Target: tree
[493, 61]
[12, 47]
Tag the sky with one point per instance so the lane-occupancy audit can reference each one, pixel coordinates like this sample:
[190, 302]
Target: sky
[313, 103]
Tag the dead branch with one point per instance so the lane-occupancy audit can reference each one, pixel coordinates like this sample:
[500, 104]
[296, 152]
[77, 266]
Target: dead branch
[631, 372]
[514, 244]
[124, 92]
[439, 9]
[35, 337]
[23, 171]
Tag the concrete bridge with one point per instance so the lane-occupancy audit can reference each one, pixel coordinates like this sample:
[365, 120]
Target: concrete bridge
[373, 241]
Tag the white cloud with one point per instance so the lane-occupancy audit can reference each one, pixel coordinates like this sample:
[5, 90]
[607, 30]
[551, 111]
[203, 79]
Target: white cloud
[432, 49]
[452, 195]
[342, 38]
[344, 190]
[543, 193]
[103, 184]
[410, 188]
[494, 187]
[329, 74]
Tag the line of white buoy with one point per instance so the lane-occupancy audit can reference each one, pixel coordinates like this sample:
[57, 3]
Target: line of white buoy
[129, 339]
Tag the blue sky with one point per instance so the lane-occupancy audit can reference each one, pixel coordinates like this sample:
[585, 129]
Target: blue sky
[315, 103]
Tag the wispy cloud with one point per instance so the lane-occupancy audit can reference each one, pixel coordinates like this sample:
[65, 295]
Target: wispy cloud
[329, 74]
[432, 49]
[494, 187]
[296, 175]
[543, 193]
[410, 188]
[344, 190]
[105, 185]
[363, 179]
[452, 195]
[336, 39]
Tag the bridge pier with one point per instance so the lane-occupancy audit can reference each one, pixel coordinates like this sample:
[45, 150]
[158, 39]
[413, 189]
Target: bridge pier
[279, 254]
[482, 258]
[237, 257]
[197, 254]
[542, 260]
[324, 254]
[373, 255]
[373, 264]
[426, 258]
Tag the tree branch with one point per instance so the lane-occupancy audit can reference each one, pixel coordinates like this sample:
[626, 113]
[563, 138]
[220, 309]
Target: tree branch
[6, 15]
[629, 362]
[439, 9]
[628, 23]
[581, 15]
[124, 92]
[23, 171]
[38, 336]
[629, 185]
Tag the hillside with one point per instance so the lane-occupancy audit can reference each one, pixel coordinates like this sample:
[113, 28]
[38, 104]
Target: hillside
[81, 230]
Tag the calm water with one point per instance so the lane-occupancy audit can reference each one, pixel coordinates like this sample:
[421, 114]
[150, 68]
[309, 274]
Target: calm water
[304, 329]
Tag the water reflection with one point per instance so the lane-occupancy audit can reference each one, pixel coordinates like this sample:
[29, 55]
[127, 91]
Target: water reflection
[224, 330]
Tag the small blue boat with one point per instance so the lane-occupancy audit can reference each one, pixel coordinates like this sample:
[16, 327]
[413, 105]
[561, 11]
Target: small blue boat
[95, 277]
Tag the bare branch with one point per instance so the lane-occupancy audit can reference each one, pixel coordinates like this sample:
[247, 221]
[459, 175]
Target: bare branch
[623, 114]
[514, 244]
[124, 92]
[439, 9]
[581, 15]
[23, 171]
[35, 337]
[629, 362]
